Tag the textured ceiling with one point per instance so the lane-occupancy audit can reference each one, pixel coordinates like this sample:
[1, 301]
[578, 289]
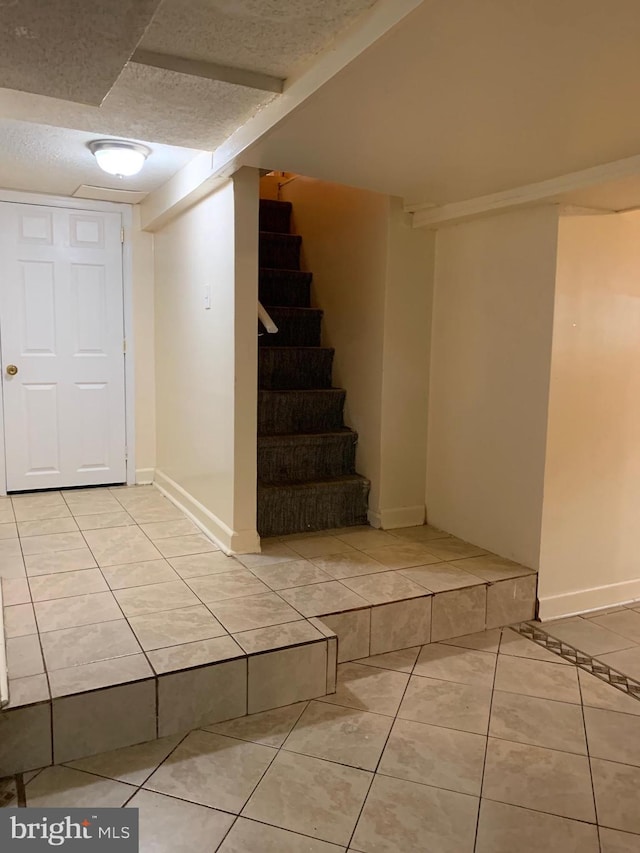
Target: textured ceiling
[259, 35]
[71, 49]
[53, 160]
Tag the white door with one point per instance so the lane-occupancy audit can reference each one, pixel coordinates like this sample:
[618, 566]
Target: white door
[61, 342]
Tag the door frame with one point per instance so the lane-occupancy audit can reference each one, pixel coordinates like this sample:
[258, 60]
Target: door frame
[126, 212]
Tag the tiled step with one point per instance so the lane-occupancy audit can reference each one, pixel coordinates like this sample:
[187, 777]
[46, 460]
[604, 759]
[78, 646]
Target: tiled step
[279, 251]
[285, 287]
[300, 458]
[318, 505]
[275, 215]
[297, 327]
[286, 412]
[285, 368]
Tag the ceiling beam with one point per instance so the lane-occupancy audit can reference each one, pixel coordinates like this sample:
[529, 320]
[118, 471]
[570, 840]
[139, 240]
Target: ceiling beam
[208, 70]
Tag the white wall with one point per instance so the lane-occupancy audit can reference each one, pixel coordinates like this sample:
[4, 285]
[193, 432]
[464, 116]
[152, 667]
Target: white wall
[490, 363]
[206, 360]
[372, 278]
[591, 530]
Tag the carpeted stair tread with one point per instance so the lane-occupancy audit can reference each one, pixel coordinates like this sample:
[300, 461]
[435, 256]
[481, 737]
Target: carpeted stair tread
[297, 327]
[282, 368]
[320, 505]
[306, 457]
[300, 411]
[285, 287]
[279, 251]
[275, 215]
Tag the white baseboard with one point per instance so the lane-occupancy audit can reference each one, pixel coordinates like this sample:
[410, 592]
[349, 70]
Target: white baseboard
[403, 516]
[144, 476]
[230, 541]
[585, 600]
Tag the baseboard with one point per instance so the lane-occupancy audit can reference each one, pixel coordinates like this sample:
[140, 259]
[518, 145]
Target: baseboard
[403, 516]
[230, 541]
[585, 600]
[144, 476]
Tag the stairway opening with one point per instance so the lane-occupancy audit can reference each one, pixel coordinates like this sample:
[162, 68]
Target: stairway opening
[306, 455]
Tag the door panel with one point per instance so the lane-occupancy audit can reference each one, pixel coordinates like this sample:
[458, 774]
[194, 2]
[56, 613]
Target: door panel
[61, 324]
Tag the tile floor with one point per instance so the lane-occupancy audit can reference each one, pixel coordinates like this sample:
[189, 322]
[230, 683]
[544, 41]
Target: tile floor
[485, 743]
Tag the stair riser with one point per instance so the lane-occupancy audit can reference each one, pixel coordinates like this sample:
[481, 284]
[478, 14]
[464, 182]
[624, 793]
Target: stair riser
[316, 458]
[282, 287]
[287, 412]
[293, 368]
[279, 251]
[276, 218]
[285, 509]
[293, 330]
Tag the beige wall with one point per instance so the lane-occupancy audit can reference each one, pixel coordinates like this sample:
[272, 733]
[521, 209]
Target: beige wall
[590, 553]
[372, 279]
[206, 385]
[490, 362]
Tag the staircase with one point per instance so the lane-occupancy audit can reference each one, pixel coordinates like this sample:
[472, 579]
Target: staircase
[306, 455]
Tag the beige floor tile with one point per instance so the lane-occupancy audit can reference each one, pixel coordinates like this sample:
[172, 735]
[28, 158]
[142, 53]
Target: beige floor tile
[587, 636]
[402, 816]
[353, 631]
[318, 546]
[491, 567]
[48, 526]
[250, 612]
[131, 764]
[19, 620]
[181, 546]
[175, 627]
[76, 611]
[368, 688]
[15, 591]
[545, 780]
[451, 663]
[454, 549]
[445, 703]
[26, 739]
[249, 836]
[139, 574]
[9, 548]
[12, 566]
[539, 722]
[212, 770]
[40, 512]
[400, 661]
[460, 612]
[187, 655]
[511, 601]
[147, 513]
[400, 624]
[269, 728]
[295, 573]
[170, 529]
[322, 598]
[234, 584]
[343, 735]
[99, 674]
[617, 790]
[104, 519]
[272, 552]
[154, 598]
[8, 530]
[598, 694]
[201, 565]
[167, 824]
[310, 796]
[614, 841]
[537, 678]
[61, 561]
[86, 505]
[114, 546]
[613, 736]
[350, 565]
[484, 641]
[88, 644]
[626, 623]
[419, 533]
[626, 661]
[431, 755]
[516, 645]
[24, 656]
[52, 543]
[402, 555]
[286, 676]
[365, 539]
[67, 584]
[278, 636]
[507, 829]
[384, 587]
[62, 787]
[28, 691]
[441, 577]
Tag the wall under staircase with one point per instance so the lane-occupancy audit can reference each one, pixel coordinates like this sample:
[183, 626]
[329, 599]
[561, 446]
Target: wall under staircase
[306, 455]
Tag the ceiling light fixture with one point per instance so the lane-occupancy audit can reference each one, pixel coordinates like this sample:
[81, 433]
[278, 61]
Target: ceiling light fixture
[122, 159]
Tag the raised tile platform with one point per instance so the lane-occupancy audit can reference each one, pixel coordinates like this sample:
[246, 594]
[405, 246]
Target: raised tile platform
[124, 623]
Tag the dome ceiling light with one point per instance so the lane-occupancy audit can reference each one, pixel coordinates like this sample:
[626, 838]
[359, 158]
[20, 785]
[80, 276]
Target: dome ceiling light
[122, 159]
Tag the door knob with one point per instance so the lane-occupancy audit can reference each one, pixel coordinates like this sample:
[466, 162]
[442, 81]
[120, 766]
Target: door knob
[12, 369]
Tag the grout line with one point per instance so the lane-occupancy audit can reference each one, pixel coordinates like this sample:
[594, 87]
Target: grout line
[586, 740]
[486, 743]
